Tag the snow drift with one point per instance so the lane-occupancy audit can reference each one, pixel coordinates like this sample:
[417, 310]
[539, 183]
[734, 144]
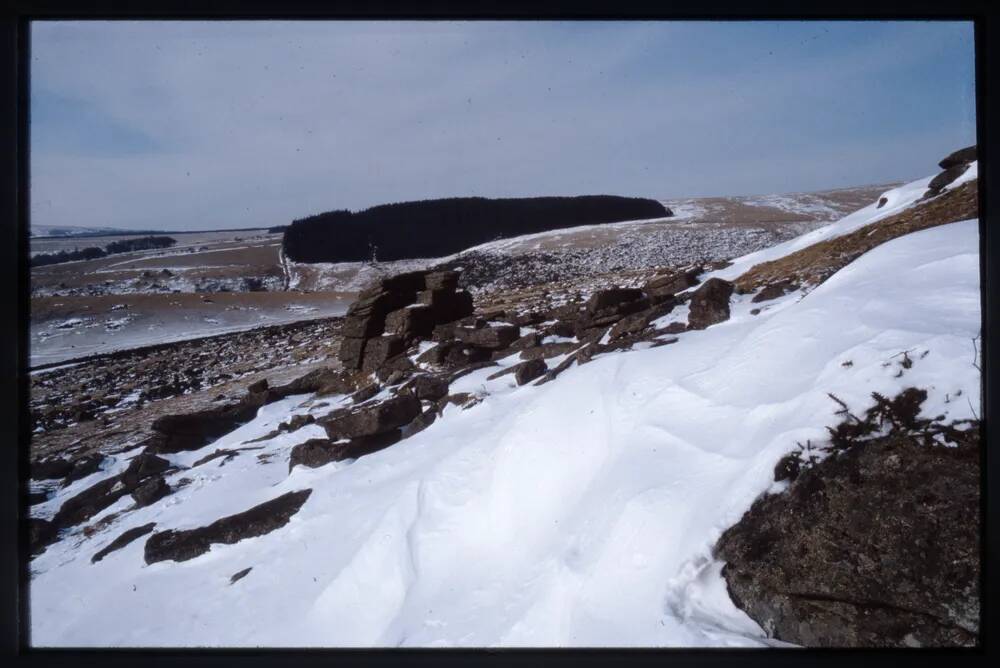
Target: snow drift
[581, 512]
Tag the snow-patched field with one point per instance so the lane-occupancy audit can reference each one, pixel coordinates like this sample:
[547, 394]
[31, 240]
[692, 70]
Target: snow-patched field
[577, 513]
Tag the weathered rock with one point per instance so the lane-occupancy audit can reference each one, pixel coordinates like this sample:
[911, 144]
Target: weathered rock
[638, 322]
[663, 287]
[351, 352]
[239, 575]
[422, 421]
[296, 422]
[410, 322]
[313, 453]
[548, 350]
[442, 333]
[257, 521]
[874, 547]
[260, 386]
[441, 280]
[381, 348]
[365, 393]
[143, 466]
[190, 431]
[83, 467]
[612, 298]
[41, 534]
[551, 374]
[525, 372]
[455, 353]
[121, 541]
[710, 304]
[427, 387]
[228, 453]
[529, 340]
[959, 157]
[882, 201]
[492, 338]
[89, 502]
[938, 183]
[673, 328]
[150, 491]
[565, 328]
[51, 469]
[774, 291]
[366, 445]
[375, 418]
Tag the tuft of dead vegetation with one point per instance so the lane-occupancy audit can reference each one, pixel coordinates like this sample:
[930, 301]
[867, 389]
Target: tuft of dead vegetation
[815, 264]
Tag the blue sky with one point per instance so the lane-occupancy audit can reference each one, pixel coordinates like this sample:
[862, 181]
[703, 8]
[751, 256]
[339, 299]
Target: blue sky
[198, 125]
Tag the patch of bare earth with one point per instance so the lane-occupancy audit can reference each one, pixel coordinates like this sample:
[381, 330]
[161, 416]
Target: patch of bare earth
[815, 264]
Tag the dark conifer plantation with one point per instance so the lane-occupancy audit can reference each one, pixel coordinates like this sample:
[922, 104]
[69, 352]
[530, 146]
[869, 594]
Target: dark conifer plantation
[433, 228]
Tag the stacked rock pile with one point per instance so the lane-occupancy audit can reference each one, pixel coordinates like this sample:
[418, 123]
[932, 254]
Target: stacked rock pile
[388, 317]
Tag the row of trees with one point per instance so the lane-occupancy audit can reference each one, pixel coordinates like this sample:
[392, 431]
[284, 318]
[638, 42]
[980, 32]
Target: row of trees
[434, 228]
[94, 252]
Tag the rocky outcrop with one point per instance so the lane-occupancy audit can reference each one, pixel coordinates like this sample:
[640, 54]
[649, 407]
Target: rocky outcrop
[875, 546]
[190, 431]
[954, 165]
[962, 156]
[386, 318]
[257, 521]
[665, 286]
[710, 304]
[371, 419]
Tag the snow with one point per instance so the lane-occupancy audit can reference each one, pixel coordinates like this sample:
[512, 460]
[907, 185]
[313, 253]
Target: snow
[898, 199]
[581, 512]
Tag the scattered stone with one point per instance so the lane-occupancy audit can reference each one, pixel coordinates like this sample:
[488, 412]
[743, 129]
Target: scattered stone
[612, 298]
[773, 291]
[89, 502]
[143, 466]
[525, 372]
[190, 431]
[257, 521]
[83, 467]
[122, 540]
[258, 387]
[492, 338]
[41, 534]
[51, 469]
[377, 418]
[34, 498]
[150, 491]
[365, 393]
[240, 575]
[296, 422]
[710, 304]
[427, 387]
[548, 350]
[313, 453]
[662, 288]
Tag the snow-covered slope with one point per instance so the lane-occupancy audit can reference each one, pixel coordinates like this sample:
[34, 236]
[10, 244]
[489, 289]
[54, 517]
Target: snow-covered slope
[581, 512]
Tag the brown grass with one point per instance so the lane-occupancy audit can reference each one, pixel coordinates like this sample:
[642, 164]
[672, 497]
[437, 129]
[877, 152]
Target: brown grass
[813, 265]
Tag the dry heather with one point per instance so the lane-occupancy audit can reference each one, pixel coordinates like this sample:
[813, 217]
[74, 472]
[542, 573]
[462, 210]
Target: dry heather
[815, 264]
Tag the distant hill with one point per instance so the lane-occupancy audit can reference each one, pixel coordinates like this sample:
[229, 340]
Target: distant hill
[439, 227]
[72, 231]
